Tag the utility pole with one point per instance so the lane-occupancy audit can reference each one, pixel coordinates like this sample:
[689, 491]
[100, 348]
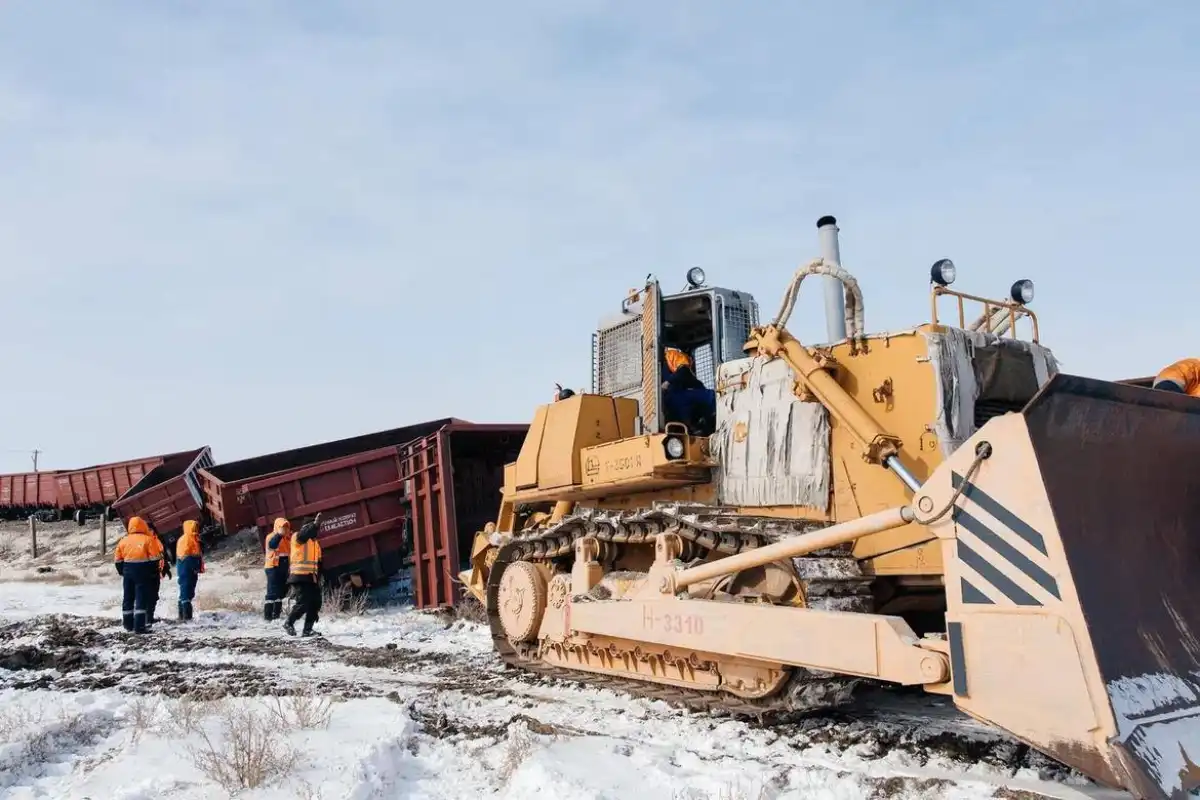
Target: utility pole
[35, 455]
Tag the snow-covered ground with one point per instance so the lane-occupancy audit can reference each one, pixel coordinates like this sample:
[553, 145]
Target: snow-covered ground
[398, 703]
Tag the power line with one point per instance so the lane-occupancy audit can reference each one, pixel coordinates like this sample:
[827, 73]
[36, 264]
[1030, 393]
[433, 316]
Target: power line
[34, 453]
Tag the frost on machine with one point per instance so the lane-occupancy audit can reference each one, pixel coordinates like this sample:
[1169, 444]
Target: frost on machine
[935, 507]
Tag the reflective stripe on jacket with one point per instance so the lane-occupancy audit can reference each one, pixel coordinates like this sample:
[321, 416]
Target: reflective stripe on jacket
[305, 557]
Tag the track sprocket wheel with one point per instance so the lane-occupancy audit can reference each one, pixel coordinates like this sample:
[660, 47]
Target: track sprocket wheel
[522, 599]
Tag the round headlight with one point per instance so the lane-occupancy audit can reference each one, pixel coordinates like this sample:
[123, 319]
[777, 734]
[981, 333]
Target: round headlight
[943, 272]
[674, 447]
[1022, 291]
[695, 277]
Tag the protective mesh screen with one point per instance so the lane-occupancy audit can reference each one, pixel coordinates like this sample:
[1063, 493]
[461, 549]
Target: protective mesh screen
[617, 360]
[738, 322]
[617, 352]
[702, 357]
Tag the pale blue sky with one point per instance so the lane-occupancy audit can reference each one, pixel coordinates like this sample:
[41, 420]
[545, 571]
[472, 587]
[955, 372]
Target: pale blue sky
[257, 225]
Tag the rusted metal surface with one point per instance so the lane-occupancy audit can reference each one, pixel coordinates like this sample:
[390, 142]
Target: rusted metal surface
[224, 485]
[363, 509]
[456, 475]
[103, 484]
[88, 488]
[169, 494]
[23, 493]
[1119, 466]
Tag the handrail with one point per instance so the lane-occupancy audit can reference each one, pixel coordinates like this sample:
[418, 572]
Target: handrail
[990, 310]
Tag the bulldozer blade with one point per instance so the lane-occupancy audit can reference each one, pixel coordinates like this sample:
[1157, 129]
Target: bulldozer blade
[1121, 467]
[1073, 580]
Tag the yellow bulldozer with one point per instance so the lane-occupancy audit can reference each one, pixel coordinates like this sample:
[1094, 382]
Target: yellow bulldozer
[938, 507]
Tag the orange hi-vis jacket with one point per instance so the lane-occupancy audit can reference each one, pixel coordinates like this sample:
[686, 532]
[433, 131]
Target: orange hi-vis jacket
[1184, 373]
[139, 545]
[305, 557]
[189, 542]
[282, 548]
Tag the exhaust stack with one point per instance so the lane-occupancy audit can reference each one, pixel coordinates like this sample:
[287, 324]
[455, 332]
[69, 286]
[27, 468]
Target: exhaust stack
[835, 301]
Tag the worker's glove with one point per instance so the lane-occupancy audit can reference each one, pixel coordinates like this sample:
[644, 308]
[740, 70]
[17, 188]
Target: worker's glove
[120, 568]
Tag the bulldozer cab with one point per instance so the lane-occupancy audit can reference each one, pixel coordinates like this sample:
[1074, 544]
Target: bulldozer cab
[710, 324]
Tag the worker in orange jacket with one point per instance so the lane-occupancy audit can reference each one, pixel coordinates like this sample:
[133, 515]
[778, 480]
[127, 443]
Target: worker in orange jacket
[139, 561]
[164, 571]
[304, 576]
[275, 565]
[685, 398]
[189, 563]
[1183, 376]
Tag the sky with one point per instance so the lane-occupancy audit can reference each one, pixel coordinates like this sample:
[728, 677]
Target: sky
[262, 225]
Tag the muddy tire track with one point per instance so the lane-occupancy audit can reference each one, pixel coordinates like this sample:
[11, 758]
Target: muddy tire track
[75, 654]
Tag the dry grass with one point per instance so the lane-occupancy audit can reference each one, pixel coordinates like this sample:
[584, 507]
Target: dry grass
[191, 711]
[301, 711]
[469, 609]
[730, 791]
[341, 600]
[305, 790]
[233, 601]
[517, 747]
[146, 714]
[62, 578]
[16, 721]
[248, 754]
[38, 735]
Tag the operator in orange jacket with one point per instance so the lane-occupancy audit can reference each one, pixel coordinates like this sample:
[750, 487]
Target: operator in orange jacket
[189, 563]
[139, 561]
[304, 575]
[275, 565]
[685, 398]
[1182, 376]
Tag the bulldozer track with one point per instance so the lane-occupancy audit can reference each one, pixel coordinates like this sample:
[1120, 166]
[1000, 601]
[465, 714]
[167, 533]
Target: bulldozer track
[831, 577]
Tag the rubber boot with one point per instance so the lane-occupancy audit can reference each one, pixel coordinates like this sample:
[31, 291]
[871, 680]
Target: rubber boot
[290, 627]
[187, 610]
[182, 612]
[308, 632]
[268, 610]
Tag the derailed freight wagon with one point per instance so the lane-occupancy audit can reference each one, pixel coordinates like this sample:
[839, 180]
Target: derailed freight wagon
[226, 486]
[87, 491]
[169, 494]
[363, 503]
[26, 493]
[425, 498]
[456, 476]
